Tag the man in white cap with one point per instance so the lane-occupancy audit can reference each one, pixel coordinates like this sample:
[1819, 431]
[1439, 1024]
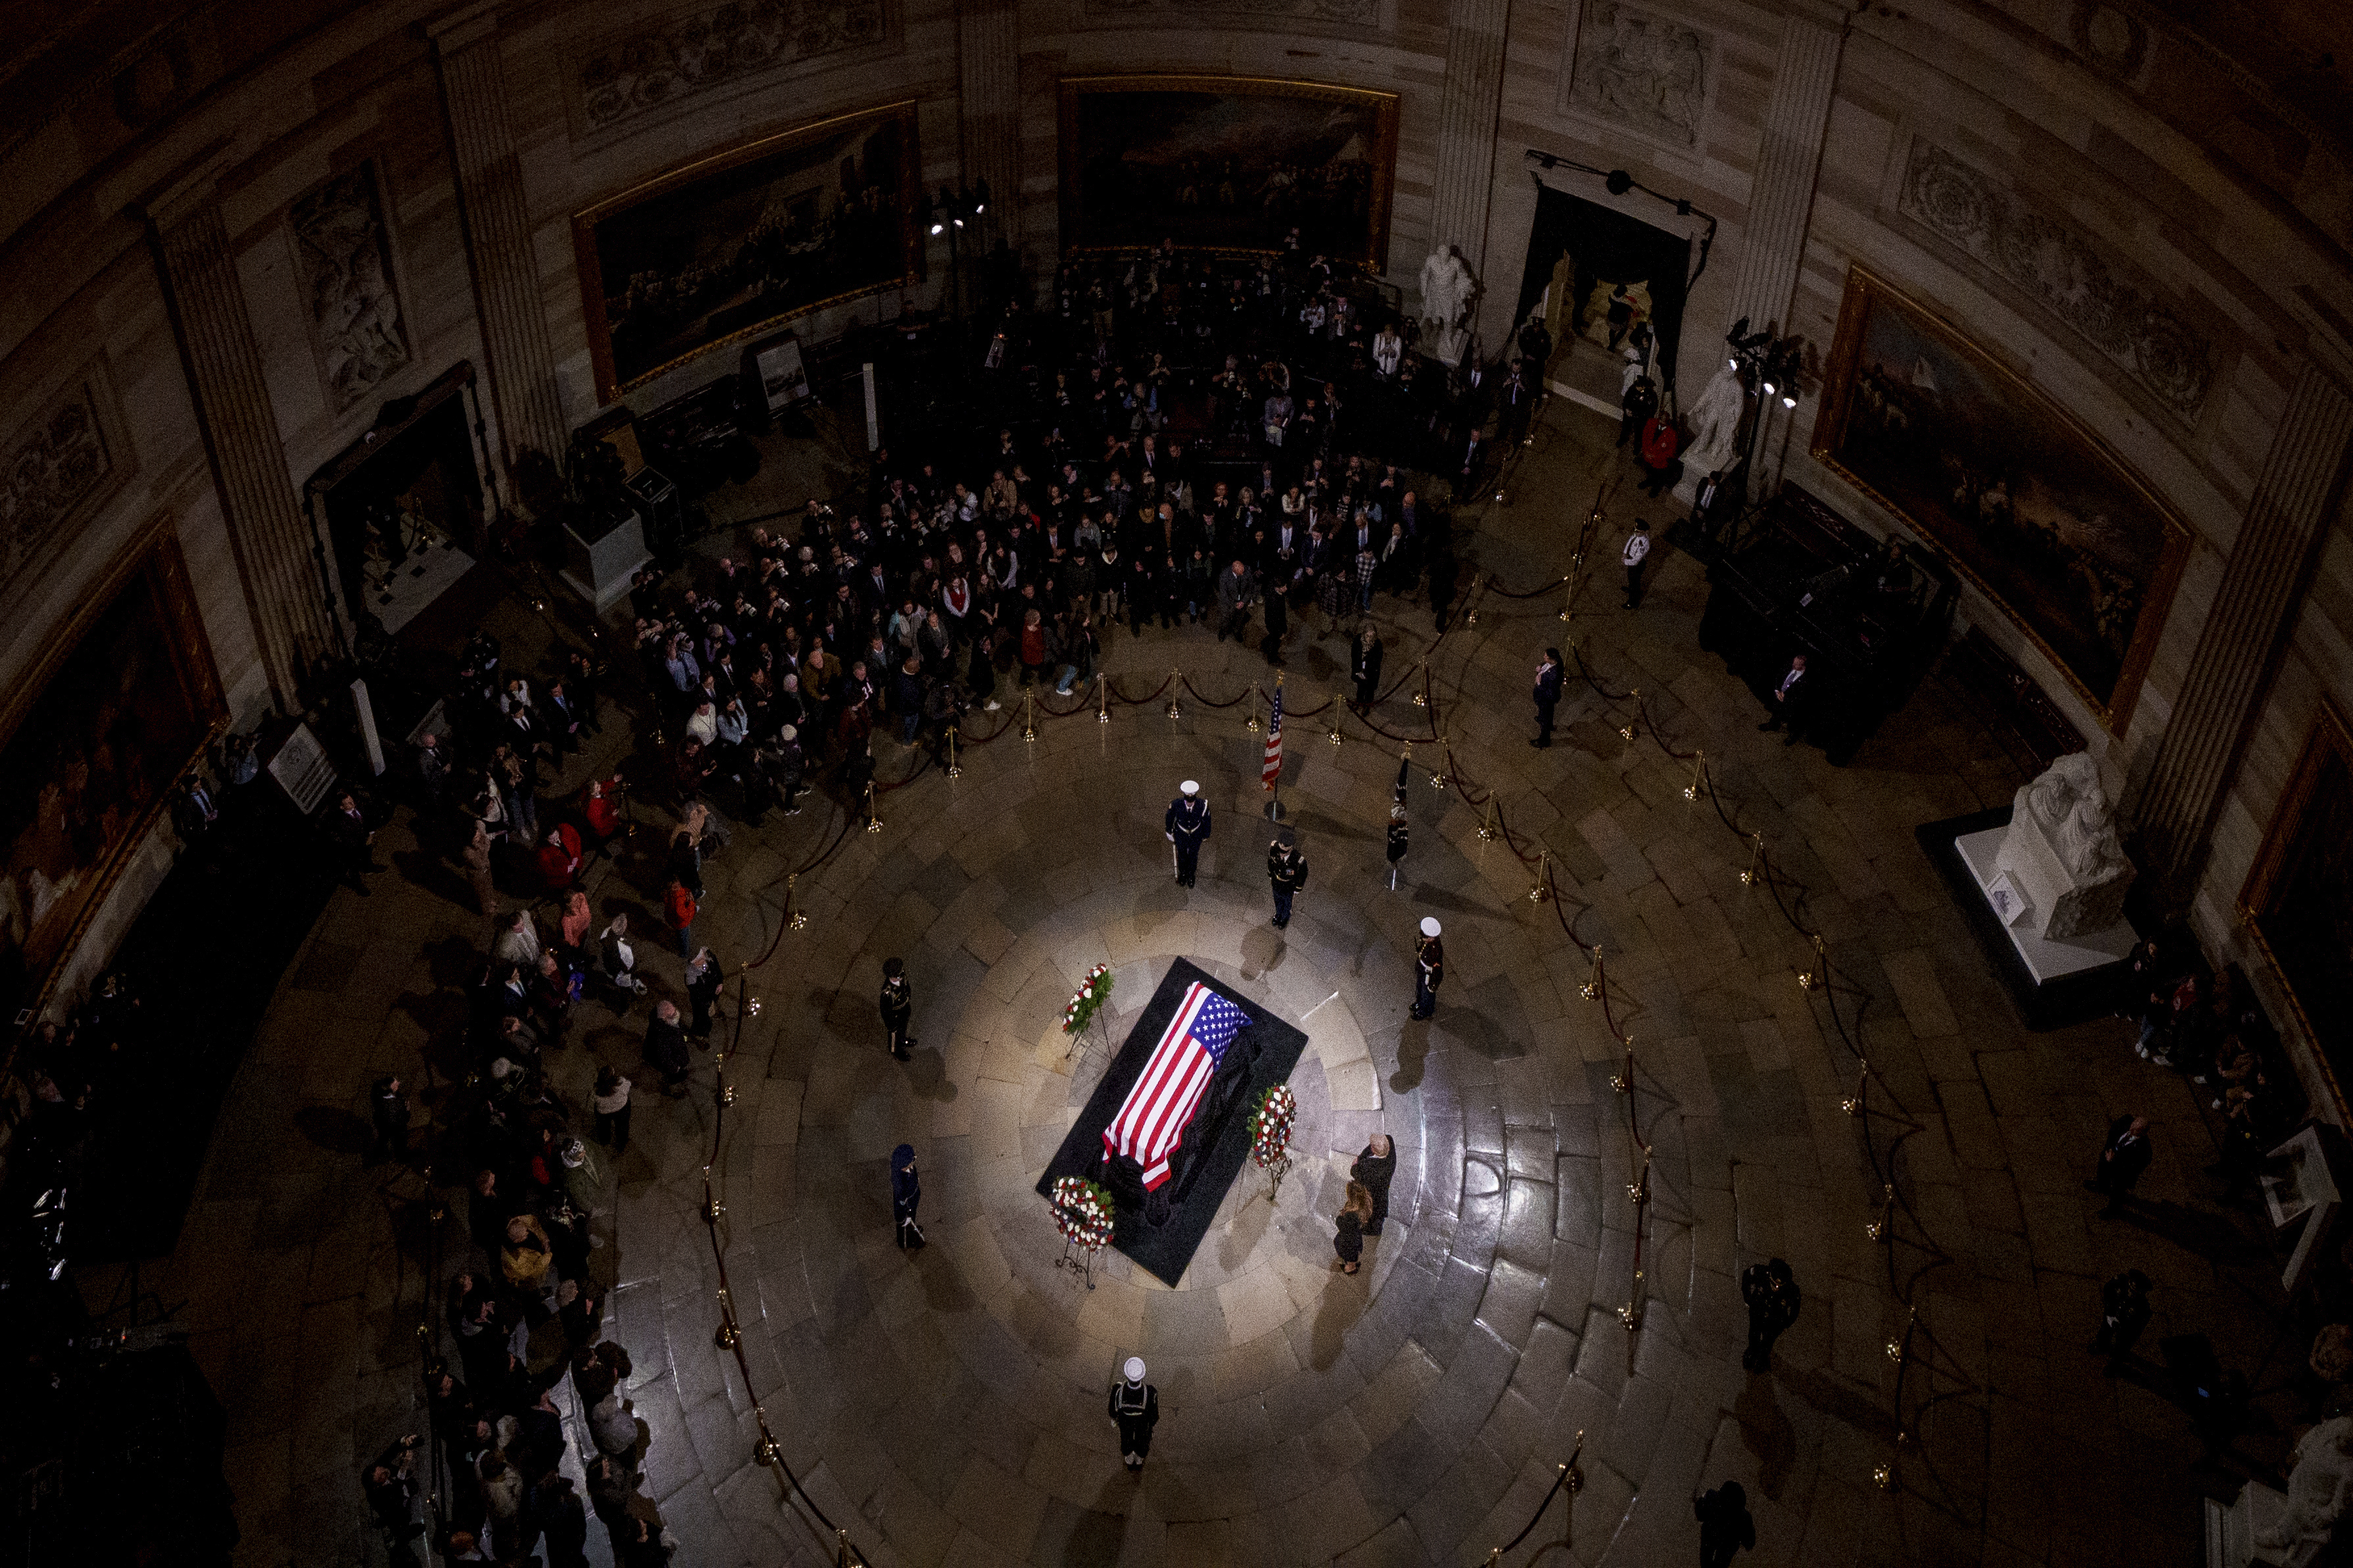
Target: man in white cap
[1186, 825]
[1135, 1405]
[1428, 969]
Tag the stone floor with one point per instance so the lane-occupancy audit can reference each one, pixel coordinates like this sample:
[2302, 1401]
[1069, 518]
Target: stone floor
[948, 1406]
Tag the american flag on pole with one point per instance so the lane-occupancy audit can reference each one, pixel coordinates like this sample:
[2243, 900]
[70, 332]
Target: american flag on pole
[1271, 769]
[1150, 1122]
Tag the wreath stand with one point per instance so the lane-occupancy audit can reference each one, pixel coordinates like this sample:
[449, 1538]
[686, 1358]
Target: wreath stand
[1080, 1260]
[1276, 1169]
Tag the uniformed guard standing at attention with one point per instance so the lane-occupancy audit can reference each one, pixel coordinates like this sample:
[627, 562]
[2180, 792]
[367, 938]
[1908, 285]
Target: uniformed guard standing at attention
[1398, 834]
[1135, 1405]
[1186, 825]
[1428, 969]
[898, 1004]
[1286, 868]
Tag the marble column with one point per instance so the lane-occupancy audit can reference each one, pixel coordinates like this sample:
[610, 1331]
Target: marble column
[2239, 646]
[275, 549]
[498, 232]
[1469, 102]
[988, 75]
[1782, 186]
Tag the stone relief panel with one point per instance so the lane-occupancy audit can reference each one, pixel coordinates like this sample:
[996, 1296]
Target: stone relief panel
[650, 70]
[2106, 302]
[1331, 13]
[54, 469]
[345, 264]
[1640, 70]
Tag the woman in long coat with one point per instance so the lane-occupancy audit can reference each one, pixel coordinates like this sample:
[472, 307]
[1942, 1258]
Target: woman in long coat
[906, 1191]
[1348, 1238]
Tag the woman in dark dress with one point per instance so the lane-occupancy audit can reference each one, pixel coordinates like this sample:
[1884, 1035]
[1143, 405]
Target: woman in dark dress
[1349, 1239]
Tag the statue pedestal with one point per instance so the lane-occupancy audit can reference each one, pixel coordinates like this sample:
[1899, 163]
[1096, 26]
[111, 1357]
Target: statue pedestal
[2064, 905]
[2231, 1526]
[598, 567]
[2055, 981]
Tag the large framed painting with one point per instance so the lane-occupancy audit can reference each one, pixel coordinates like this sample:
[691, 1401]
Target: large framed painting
[1223, 163]
[2298, 900]
[2010, 487]
[735, 244]
[91, 747]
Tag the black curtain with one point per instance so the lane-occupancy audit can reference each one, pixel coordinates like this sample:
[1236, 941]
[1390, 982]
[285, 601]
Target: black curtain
[1607, 244]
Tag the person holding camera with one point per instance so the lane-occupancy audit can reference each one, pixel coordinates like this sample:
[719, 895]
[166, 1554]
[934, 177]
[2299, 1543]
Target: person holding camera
[392, 1493]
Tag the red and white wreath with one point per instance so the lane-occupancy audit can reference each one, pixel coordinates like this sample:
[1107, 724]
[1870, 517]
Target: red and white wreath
[1083, 1211]
[1271, 1124]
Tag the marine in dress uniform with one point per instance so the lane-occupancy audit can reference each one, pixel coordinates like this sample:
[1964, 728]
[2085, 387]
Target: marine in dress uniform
[1135, 1405]
[898, 1006]
[1428, 969]
[1286, 869]
[1397, 837]
[1186, 825]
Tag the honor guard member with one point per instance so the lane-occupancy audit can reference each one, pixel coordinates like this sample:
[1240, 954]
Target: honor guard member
[1135, 1405]
[1186, 825]
[1428, 969]
[898, 1007]
[1398, 836]
[1637, 552]
[1286, 869]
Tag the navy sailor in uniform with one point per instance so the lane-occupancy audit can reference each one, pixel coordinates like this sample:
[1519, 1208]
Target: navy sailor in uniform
[1186, 825]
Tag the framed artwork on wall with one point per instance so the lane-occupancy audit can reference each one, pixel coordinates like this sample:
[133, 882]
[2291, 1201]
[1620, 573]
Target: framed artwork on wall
[737, 243]
[91, 747]
[2298, 900]
[2009, 486]
[1222, 162]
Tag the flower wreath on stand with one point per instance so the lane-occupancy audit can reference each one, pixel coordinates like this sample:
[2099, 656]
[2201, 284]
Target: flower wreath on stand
[1270, 1129]
[1093, 992]
[1082, 1211]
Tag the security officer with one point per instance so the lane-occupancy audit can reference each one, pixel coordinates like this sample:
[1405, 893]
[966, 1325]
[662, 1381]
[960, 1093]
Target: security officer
[1772, 1292]
[1186, 825]
[1428, 969]
[898, 1007]
[1286, 868]
[1135, 1405]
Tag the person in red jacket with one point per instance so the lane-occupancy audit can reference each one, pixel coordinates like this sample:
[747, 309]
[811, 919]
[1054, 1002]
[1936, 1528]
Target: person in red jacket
[679, 909]
[1660, 440]
[559, 857]
[601, 807]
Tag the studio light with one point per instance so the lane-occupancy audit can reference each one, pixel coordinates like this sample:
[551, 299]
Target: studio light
[1789, 401]
[936, 229]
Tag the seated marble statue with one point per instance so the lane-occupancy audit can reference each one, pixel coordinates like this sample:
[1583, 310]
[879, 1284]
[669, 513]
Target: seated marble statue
[2062, 847]
[2319, 1489]
[2073, 811]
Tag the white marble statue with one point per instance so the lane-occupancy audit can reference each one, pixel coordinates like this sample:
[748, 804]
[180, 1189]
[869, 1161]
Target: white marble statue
[2061, 848]
[1446, 286]
[1714, 422]
[2319, 1489]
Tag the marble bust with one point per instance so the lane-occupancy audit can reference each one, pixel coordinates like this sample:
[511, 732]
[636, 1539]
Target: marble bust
[2319, 1489]
[2062, 850]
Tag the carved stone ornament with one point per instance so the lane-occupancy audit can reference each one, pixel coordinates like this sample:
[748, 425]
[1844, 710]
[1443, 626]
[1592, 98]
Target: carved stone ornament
[1641, 70]
[2073, 276]
[2062, 851]
[54, 465]
[647, 71]
[1343, 13]
[349, 296]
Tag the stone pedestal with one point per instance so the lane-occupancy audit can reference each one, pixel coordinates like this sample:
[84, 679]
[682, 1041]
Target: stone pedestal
[599, 569]
[2062, 904]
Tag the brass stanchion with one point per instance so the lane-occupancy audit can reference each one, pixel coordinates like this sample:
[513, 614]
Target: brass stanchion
[1591, 989]
[1639, 1189]
[1487, 820]
[1541, 891]
[1252, 724]
[1336, 737]
[1817, 975]
[1756, 861]
[1103, 699]
[1175, 679]
[954, 772]
[1629, 1316]
[873, 823]
[1885, 1225]
[800, 918]
[1853, 1104]
[1420, 695]
[1624, 1083]
[1568, 591]
[1699, 776]
[1626, 730]
[1438, 779]
[1030, 716]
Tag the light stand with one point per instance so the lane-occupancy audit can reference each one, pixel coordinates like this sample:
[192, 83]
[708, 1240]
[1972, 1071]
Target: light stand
[950, 211]
[1768, 368]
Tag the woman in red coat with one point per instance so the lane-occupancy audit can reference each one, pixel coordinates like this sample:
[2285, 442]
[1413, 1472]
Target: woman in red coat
[559, 857]
[601, 808]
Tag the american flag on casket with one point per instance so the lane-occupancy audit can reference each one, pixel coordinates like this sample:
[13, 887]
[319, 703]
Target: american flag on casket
[1151, 1121]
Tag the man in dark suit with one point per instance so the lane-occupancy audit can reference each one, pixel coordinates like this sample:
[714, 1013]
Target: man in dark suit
[1770, 1288]
[1547, 696]
[1792, 702]
[1364, 668]
[347, 829]
[1474, 457]
[2122, 1160]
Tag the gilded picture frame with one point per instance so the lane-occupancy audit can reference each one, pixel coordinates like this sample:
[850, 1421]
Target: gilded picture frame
[1133, 147]
[2017, 493]
[2306, 859]
[104, 809]
[732, 245]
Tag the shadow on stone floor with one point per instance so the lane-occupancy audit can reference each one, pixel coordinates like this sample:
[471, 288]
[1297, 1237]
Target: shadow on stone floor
[2212, 1235]
[1767, 1433]
[1336, 1311]
[337, 1132]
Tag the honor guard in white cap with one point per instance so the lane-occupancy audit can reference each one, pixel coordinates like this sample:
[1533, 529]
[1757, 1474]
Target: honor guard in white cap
[1186, 825]
[1135, 1405]
[1428, 969]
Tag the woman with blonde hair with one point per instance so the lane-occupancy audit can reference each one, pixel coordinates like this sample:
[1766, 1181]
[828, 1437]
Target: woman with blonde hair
[1349, 1240]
